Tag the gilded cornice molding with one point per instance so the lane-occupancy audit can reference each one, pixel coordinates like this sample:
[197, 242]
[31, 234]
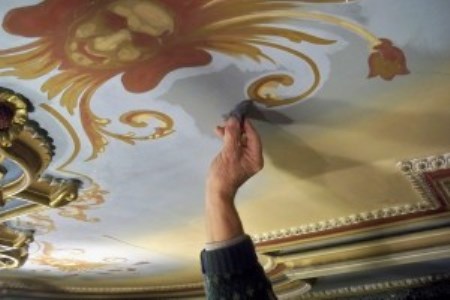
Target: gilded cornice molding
[413, 169]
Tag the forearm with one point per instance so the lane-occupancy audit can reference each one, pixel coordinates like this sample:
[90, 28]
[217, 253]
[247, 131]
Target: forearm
[229, 260]
[222, 219]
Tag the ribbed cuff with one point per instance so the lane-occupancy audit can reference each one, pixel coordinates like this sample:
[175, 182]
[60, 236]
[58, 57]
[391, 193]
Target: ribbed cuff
[236, 258]
[217, 245]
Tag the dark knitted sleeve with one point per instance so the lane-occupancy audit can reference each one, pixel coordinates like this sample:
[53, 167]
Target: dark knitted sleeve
[234, 273]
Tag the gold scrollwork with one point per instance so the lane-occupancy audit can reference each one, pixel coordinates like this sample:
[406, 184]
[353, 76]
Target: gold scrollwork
[136, 119]
[95, 126]
[67, 260]
[65, 263]
[28, 149]
[264, 90]
[39, 221]
[91, 197]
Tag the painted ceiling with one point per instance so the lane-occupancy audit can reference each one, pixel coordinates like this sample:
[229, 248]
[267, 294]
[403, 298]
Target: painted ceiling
[130, 91]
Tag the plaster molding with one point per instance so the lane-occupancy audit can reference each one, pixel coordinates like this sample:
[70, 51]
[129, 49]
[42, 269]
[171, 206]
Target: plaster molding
[285, 289]
[10, 284]
[374, 287]
[302, 288]
[342, 222]
[364, 256]
[413, 169]
[347, 265]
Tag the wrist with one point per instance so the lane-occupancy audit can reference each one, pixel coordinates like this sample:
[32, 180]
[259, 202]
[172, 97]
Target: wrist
[224, 195]
[220, 187]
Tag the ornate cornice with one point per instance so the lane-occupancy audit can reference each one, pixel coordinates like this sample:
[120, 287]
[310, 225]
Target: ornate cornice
[342, 222]
[374, 287]
[10, 284]
[413, 169]
[424, 164]
[416, 169]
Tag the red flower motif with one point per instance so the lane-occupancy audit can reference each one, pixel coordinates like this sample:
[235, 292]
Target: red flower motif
[387, 61]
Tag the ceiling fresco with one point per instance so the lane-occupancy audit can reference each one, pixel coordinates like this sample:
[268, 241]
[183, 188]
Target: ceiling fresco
[126, 94]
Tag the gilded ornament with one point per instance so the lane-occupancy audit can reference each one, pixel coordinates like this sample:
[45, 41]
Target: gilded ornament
[29, 149]
[13, 116]
[13, 247]
[93, 196]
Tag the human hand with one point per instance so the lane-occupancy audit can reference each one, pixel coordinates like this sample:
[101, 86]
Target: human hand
[240, 158]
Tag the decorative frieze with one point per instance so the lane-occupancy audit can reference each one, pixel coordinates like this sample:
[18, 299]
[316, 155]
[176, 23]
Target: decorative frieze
[416, 170]
[413, 169]
[375, 287]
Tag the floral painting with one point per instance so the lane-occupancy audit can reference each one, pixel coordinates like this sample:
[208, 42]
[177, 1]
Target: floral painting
[142, 41]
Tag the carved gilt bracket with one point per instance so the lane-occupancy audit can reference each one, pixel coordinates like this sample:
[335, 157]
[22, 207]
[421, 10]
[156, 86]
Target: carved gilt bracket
[26, 151]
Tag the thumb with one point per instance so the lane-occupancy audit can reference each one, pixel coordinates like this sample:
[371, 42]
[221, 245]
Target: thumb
[232, 134]
[253, 139]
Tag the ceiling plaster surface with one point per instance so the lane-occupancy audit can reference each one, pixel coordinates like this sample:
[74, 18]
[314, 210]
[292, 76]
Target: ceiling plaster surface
[141, 218]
